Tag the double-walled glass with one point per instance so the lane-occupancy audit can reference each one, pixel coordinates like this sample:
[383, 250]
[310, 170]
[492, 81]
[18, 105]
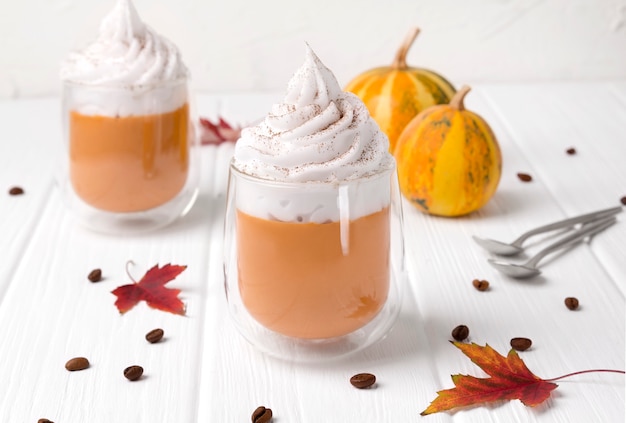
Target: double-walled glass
[314, 270]
[130, 162]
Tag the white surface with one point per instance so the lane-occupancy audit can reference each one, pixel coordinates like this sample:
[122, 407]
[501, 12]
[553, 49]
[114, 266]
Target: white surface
[205, 372]
[241, 45]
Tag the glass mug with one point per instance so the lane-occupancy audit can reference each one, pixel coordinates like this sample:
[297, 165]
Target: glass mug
[313, 270]
[130, 161]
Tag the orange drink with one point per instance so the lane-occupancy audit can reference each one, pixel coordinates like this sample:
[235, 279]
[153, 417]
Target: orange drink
[130, 163]
[294, 278]
[315, 261]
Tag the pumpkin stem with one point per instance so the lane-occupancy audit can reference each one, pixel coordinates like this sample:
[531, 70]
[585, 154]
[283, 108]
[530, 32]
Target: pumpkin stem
[459, 96]
[399, 62]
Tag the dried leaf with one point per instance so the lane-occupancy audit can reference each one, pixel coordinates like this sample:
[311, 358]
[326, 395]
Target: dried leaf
[218, 133]
[510, 379]
[151, 289]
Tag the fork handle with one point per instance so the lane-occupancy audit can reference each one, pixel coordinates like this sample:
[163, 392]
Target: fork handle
[589, 217]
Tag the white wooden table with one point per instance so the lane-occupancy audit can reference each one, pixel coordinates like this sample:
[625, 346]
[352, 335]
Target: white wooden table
[205, 372]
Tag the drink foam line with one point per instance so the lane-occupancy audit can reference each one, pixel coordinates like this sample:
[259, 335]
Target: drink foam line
[344, 218]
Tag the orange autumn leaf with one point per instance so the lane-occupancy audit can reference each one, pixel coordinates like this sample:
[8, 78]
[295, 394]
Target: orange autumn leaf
[151, 289]
[510, 379]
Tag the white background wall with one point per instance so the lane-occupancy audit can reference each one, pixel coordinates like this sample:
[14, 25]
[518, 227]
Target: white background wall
[237, 45]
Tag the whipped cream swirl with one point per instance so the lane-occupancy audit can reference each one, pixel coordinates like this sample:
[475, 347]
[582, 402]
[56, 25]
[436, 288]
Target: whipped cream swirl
[127, 53]
[318, 133]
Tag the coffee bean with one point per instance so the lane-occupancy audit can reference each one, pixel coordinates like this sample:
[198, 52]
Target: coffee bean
[623, 200]
[95, 275]
[44, 421]
[261, 415]
[521, 344]
[363, 380]
[480, 285]
[16, 191]
[77, 363]
[524, 177]
[133, 372]
[571, 151]
[460, 333]
[154, 336]
[571, 303]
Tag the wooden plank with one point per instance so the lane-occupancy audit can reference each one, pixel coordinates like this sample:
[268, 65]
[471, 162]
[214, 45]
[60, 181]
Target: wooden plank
[31, 136]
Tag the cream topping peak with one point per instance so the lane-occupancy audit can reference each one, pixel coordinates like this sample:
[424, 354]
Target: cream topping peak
[127, 53]
[318, 133]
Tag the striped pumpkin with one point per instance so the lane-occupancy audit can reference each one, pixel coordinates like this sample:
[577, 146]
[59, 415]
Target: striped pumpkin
[396, 94]
[449, 161]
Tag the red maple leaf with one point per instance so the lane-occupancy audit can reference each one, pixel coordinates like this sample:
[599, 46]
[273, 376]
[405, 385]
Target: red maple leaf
[217, 133]
[151, 289]
[510, 379]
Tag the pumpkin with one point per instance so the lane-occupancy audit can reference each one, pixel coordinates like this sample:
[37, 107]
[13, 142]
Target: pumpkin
[449, 161]
[396, 94]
